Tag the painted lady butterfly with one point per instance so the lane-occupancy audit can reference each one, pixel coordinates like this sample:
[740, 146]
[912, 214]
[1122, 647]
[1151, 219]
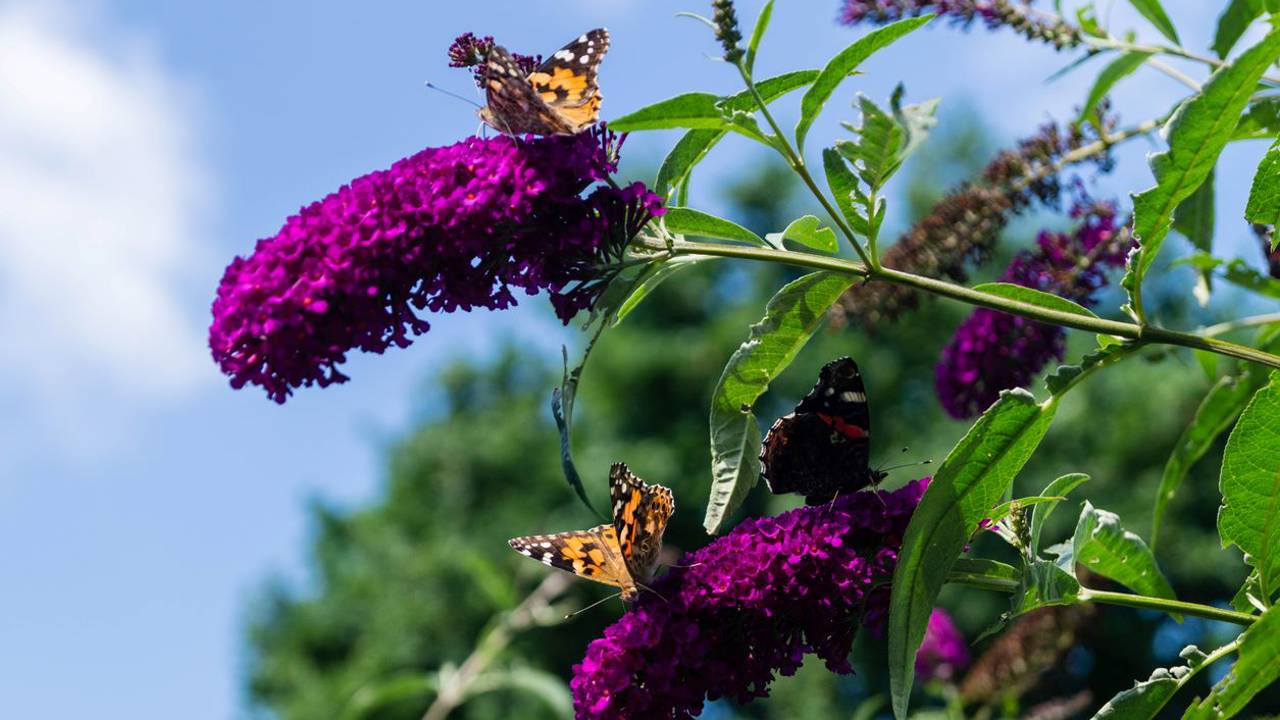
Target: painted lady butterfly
[623, 554]
[560, 97]
[823, 447]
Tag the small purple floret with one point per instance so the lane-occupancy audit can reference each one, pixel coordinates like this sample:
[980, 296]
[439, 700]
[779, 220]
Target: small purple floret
[944, 652]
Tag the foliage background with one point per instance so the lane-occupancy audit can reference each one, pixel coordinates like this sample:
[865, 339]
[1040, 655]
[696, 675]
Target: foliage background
[408, 583]
[145, 503]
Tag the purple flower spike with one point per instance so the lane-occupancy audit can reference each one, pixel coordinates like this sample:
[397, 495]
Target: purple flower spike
[993, 351]
[944, 652]
[993, 13]
[749, 605]
[449, 228]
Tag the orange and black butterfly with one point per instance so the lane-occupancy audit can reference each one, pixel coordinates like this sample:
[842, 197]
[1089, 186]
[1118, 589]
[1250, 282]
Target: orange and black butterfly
[560, 97]
[623, 554]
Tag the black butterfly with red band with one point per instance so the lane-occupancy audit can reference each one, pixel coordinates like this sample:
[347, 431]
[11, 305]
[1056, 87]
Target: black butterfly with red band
[823, 447]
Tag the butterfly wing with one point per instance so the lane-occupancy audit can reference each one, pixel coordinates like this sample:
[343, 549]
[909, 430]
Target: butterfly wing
[824, 446]
[568, 82]
[640, 515]
[512, 105]
[593, 554]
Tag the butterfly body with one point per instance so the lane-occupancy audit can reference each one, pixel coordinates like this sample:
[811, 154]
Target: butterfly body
[560, 97]
[823, 447]
[623, 554]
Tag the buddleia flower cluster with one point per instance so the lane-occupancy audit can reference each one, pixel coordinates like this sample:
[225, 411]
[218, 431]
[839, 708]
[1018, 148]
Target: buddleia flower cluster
[470, 225]
[962, 228]
[993, 13]
[749, 606]
[469, 51]
[993, 351]
[943, 653]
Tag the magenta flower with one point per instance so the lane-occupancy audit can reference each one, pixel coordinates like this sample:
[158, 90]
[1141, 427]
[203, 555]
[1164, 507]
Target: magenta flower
[449, 228]
[944, 652]
[470, 51]
[750, 604]
[993, 351]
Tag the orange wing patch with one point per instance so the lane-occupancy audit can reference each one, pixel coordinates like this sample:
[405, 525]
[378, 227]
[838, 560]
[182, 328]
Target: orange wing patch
[582, 115]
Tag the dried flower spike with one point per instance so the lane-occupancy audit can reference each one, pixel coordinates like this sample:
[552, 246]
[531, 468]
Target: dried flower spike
[727, 32]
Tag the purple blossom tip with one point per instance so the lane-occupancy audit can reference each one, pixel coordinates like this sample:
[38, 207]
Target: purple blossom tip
[748, 605]
[451, 228]
[944, 652]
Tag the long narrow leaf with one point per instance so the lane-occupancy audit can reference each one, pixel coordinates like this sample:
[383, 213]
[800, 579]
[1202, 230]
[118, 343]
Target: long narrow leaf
[969, 482]
[845, 63]
[790, 319]
[1197, 133]
[1250, 514]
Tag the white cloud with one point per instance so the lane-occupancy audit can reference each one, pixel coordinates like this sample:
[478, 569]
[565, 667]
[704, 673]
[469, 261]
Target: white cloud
[101, 197]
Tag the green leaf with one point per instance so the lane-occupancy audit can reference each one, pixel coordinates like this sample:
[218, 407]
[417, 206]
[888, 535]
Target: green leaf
[1197, 133]
[1043, 584]
[653, 277]
[1062, 379]
[687, 221]
[1146, 699]
[880, 140]
[695, 144]
[1264, 195]
[843, 64]
[1034, 297]
[790, 319]
[1109, 550]
[976, 473]
[1261, 121]
[1153, 12]
[916, 120]
[1250, 514]
[844, 187]
[1059, 487]
[1232, 23]
[1113, 73]
[1238, 272]
[807, 232]
[691, 110]
[1249, 599]
[757, 34]
[982, 569]
[1217, 411]
[1194, 217]
[1257, 667]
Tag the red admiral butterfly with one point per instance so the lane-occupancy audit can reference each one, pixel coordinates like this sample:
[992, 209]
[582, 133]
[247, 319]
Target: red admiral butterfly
[823, 447]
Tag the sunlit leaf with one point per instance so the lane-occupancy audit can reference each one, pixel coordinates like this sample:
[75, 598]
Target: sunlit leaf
[1043, 584]
[1113, 73]
[1061, 487]
[1146, 699]
[843, 186]
[1153, 12]
[1250, 514]
[1217, 411]
[1197, 133]
[790, 319]
[687, 221]
[695, 144]
[1034, 297]
[757, 34]
[691, 110]
[1264, 195]
[976, 473]
[1233, 22]
[1106, 548]
[843, 64]
[808, 231]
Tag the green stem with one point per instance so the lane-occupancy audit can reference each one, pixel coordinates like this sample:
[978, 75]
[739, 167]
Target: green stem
[783, 146]
[1128, 331]
[1172, 607]
[1104, 597]
[1223, 328]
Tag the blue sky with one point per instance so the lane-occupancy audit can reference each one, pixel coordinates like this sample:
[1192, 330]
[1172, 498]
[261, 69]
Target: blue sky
[143, 144]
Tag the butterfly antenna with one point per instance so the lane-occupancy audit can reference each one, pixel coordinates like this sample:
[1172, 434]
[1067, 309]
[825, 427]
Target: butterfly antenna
[601, 601]
[682, 567]
[655, 592]
[452, 94]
